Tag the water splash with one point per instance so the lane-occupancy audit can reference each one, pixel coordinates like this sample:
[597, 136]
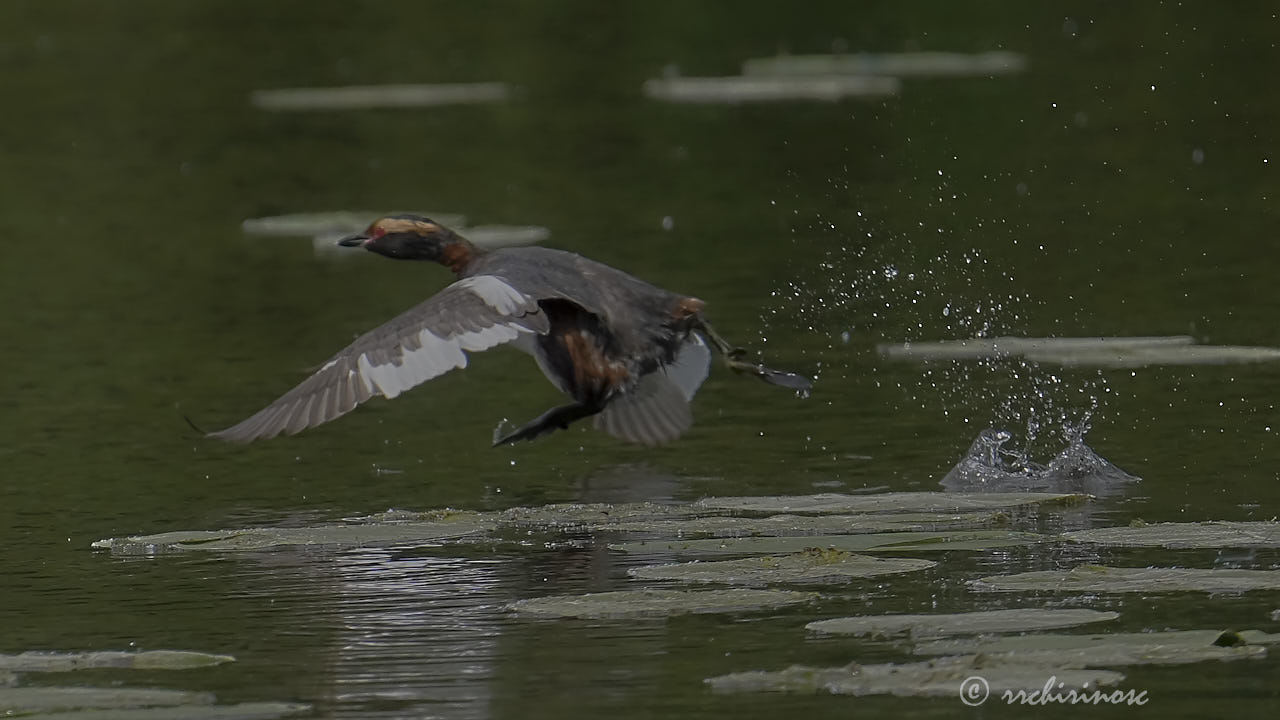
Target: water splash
[872, 282]
[990, 466]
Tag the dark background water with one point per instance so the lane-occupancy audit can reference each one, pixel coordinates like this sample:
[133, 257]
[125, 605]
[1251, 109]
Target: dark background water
[1125, 184]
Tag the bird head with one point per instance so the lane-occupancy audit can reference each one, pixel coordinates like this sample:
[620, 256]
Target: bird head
[412, 237]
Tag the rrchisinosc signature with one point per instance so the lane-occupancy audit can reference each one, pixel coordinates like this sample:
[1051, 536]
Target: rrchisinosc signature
[975, 690]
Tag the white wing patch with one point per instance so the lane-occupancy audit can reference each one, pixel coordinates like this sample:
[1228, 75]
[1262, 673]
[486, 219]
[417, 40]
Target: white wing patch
[691, 365]
[434, 357]
[495, 292]
[422, 343]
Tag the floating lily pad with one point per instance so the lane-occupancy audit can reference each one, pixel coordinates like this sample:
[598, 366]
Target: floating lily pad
[582, 516]
[872, 542]
[332, 535]
[935, 502]
[395, 515]
[1154, 648]
[48, 699]
[1100, 578]
[733, 526]
[910, 64]
[362, 97]
[970, 623]
[657, 603]
[809, 566]
[147, 660]
[941, 677]
[556, 516]
[396, 527]
[1184, 535]
[741, 89]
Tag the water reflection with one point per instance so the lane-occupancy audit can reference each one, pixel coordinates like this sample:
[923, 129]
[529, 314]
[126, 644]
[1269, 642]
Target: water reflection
[415, 632]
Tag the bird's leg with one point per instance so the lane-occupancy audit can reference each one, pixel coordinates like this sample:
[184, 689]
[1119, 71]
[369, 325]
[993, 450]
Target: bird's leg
[727, 351]
[733, 358]
[557, 418]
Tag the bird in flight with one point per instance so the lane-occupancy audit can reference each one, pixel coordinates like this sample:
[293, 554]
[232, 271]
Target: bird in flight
[626, 353]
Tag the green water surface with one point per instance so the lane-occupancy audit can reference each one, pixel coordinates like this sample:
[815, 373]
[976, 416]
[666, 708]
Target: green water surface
[1124, 184]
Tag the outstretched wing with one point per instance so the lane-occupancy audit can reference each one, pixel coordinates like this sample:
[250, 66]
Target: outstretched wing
[427, 341]
[656, 411]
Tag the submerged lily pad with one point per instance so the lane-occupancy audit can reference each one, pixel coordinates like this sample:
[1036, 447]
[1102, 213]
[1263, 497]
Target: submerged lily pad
[1115, 352]
[240, 711]
[485, 236]
[1100, 578]
[497, 236]
[977, 348]
[873, 542]
[146, 660]
[49, 699]
[935, 502]
[764, 88]
[331, 535]
[909, 64]
[338, 222]
[731, 526]
[361, 97]
[1184, 535]
[942, 677]
[1144, 356]
[657, 603]
[970, 623]
[1154, 648]
[810, 566]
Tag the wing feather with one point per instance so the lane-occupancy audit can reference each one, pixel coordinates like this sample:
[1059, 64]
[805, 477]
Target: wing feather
[429, 340]
[654, 412]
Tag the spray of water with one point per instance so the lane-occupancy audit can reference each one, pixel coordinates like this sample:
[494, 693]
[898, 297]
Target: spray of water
[863, 283]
